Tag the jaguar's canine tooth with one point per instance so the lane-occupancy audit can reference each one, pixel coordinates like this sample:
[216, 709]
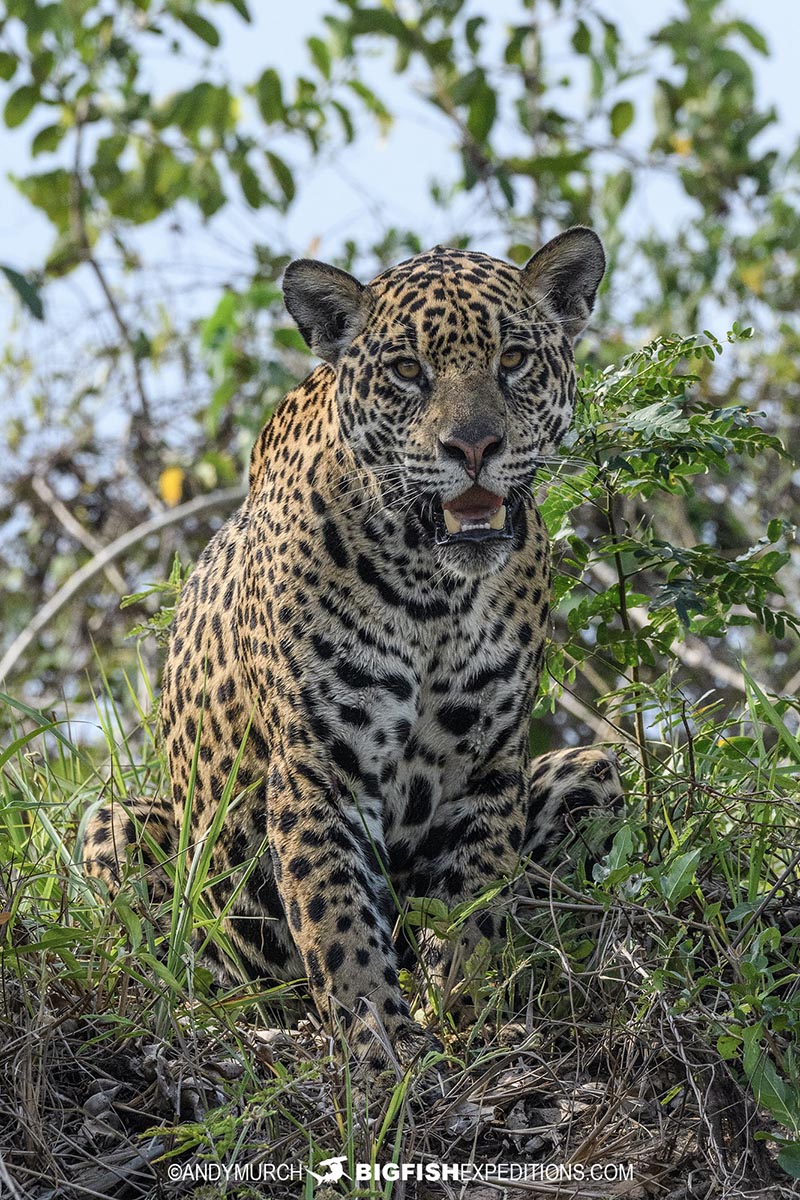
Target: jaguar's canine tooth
[451, 521]
[498, 519]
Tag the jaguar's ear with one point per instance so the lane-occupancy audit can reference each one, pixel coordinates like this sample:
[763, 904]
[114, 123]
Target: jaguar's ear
[329, 306]
[566, 273]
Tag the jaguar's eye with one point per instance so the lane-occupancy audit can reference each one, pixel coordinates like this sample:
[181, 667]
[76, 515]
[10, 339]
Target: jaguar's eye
[512, 358]
[407, 368]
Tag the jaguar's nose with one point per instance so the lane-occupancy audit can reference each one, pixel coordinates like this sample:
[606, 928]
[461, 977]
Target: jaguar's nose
[472, 451]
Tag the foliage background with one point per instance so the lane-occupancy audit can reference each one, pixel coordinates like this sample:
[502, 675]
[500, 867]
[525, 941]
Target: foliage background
[148, 344]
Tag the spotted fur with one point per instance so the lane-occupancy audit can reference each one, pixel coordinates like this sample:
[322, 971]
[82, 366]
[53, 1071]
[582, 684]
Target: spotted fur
[378, 674]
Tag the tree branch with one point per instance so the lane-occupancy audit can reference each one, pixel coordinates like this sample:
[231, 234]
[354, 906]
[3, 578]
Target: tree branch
[82, 238]
[602, 727]
[225, 498]
[74, 528]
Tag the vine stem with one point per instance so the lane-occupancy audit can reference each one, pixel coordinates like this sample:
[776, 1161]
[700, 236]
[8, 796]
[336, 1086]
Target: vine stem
[638, 715]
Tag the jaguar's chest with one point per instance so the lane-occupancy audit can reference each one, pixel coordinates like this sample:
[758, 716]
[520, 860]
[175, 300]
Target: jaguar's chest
[411, 728]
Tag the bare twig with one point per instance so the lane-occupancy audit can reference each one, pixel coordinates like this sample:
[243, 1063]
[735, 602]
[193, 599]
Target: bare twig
[78, 192]
[767, 900]
[793, 686]
[13, 1191]
[74, 528]
[600, 725]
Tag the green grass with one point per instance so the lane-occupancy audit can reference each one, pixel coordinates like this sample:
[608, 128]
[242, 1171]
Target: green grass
[644, 1012]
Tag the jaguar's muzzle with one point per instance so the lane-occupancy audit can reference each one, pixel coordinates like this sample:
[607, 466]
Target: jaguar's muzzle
[477, 515]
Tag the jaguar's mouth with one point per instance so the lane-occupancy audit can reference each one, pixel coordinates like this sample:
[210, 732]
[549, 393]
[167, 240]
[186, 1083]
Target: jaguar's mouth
[477, 515]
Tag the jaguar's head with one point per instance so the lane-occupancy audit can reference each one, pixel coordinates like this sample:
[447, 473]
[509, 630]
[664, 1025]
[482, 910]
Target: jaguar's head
[455, 378]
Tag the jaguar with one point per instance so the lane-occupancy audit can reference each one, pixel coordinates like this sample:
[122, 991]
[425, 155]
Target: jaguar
[361, 643]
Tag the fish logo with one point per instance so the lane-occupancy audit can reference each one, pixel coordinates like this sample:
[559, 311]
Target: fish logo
[332, 1168]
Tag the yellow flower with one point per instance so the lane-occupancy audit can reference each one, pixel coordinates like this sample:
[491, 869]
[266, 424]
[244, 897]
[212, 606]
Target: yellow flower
[681, 143]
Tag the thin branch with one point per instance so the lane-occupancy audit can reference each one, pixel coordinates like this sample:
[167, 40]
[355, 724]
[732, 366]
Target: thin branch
[74, 528]
[767, 900]
[638, 715]
[225, 498]
[793, 686]
[82, 238]
[601, 726]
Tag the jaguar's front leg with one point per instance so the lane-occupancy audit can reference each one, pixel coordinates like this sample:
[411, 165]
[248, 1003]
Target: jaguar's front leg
[475, 842]
[327, 853]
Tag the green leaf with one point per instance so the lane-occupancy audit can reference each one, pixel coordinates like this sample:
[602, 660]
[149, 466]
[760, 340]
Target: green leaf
[462, 912]
[548, 164]
[505, 185]
[482, 112]
[200, 27]
[768, 1088]
[290, 338]
[621, 117]
[466, 86]
[348, 127]
[373, 103]
[610, 42]
[789, 1159]
[28, 294]
[471, 30]
[50, 192]
[20, 105]
[621, 849]
[283, 175]
[519, 253]
[321, 56]
[42, 65]
[65, 256]
[130, 921]
[428, 912]
[770, 713]
[728, 1045]
[251, 186]
[754, 36]
[47, 140]
[677, 881]
[513, 51]
[8, 65]
[205, 105]
[379, 20]
[269, 94]
[581, 38]
[616, 194]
